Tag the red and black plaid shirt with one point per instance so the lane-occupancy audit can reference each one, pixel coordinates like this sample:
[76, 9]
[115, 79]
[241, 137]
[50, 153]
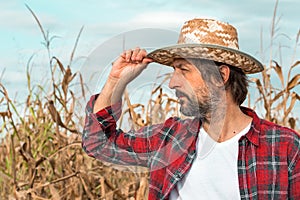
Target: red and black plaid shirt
[268, 160]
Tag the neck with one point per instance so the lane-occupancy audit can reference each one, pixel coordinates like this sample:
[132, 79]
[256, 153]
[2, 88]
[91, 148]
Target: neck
[225, 122]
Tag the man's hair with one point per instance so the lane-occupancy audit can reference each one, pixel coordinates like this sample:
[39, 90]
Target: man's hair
[237, 82]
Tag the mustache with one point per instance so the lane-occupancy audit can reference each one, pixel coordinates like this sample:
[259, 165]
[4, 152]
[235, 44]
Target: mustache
[180, 94]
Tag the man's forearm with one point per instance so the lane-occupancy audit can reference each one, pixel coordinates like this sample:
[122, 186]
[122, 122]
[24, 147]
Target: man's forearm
[111, 93]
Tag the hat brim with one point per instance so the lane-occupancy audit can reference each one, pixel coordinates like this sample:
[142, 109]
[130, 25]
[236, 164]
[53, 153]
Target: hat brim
[233, 57]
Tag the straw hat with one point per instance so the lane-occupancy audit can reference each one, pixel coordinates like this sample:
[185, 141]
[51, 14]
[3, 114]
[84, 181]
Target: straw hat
[208, 39]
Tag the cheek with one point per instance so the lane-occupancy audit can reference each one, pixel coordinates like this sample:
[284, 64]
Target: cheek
[202, 93]
[197, 83]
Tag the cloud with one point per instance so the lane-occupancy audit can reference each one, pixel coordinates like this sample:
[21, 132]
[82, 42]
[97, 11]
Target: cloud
[22, 19]
[169, 19]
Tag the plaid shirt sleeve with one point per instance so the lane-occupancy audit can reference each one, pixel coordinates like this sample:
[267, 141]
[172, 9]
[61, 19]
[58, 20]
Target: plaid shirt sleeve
[103, 140]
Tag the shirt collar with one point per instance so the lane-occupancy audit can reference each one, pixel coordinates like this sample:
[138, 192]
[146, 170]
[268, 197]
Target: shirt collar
[253, 133]
[195, 126]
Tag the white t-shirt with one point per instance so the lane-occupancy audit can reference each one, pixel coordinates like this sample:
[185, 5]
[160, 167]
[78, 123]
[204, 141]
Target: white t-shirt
[213, 174]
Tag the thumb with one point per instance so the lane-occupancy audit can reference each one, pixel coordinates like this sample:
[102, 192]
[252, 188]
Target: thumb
[147, 60]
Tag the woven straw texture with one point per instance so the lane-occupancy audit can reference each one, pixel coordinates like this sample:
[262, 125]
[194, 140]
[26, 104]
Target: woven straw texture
[208, 39]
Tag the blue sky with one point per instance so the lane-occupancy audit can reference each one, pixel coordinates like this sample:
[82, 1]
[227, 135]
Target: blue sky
[20, 37]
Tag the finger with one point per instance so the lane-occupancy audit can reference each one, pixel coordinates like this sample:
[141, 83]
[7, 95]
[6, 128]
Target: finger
[128, 55]
[147, 60]
[141, 55]
[123, 55]
[135, 54]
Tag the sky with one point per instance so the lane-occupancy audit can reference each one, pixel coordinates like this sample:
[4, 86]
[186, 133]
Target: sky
[102, 21]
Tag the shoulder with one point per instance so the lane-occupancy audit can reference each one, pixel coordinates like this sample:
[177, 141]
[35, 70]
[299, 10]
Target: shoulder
[267, 128]
[273, 127]
[270, 129]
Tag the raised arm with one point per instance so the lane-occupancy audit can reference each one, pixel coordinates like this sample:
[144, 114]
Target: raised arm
[101, 138]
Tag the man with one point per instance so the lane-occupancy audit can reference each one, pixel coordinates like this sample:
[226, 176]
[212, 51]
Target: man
[225, 151]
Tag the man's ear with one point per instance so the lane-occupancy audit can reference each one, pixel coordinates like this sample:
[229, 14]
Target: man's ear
[225, 72]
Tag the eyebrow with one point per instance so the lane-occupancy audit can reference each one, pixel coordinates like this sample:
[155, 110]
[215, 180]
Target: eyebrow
[179, 65]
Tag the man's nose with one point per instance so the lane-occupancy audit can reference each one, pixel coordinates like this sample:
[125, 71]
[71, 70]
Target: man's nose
[174, 81]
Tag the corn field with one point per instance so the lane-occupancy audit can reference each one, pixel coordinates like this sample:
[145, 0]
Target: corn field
[41, 155]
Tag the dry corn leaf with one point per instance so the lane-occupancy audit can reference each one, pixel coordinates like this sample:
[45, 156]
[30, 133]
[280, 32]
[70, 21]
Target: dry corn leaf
[82, 86]
[57, 118]
[54, 192]
[61, 66]
[294, 97]
[260, 89]
[292, 122]
[277, 96]
[142, 190]
[296, 63]
[66, 80]
[294, 82]
[278, 70]
[5, 114]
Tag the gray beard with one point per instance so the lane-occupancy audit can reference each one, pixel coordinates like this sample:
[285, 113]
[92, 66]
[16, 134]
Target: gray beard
[204, 109]
[196, 109]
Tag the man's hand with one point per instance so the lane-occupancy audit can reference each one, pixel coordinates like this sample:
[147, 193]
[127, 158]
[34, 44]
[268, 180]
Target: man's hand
[129, 65]
[126, 68]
